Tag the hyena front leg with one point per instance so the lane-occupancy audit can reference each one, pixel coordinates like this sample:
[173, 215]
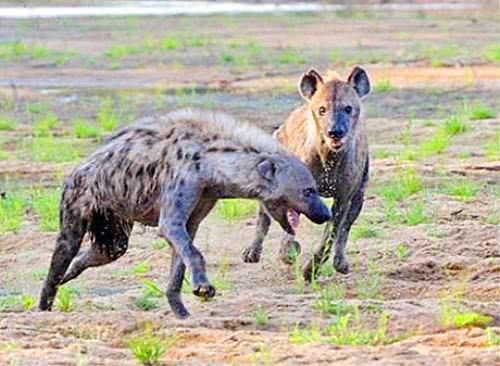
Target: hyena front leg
[178, 268]
[322, 252]
[178, 204]
[340, 262]
[73, 228]
[252, 253]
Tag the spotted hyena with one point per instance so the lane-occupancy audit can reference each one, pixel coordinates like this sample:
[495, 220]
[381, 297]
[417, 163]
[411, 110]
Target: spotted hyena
[169, 172]
[327, 134]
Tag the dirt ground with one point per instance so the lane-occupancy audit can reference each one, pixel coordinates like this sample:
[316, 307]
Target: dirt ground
[248, 66]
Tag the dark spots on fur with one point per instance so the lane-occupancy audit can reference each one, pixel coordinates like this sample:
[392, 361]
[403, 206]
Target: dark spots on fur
[196, 156]
[175, 141]
[215, 137]
[212, 149]
[170, 133]
[151, 169]
[118, 135]
[125, 150]
[139, 172]
[179, 154]
[164, 151]
[187, 136]
[249, 150]
[149, 142]
[125, 188]
[182, 182]
[229, 149]
[197, 167]
[178, 204]
[110, 155]
[206, 139]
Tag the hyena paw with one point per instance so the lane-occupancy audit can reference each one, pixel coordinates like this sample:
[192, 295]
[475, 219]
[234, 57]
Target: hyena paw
[289, 251]
[204, 290]
[251, 254]
[341, 264]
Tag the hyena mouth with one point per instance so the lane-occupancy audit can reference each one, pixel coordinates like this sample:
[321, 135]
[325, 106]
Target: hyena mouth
[293, 218]
[337, 144]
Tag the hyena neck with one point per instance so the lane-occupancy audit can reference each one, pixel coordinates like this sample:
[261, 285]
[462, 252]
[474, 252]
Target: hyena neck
[229, 181]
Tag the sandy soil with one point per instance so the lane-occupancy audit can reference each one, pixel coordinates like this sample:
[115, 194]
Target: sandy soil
[457, 249]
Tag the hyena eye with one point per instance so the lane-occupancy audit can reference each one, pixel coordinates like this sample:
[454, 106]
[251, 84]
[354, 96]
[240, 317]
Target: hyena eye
[322, 111]
[308, 192]
[348, 109]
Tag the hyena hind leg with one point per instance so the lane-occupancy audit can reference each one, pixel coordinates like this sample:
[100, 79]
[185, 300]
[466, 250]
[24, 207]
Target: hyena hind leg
[67, 246]
[110, 242]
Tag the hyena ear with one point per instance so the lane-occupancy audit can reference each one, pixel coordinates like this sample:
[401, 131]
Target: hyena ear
[266, 169]
[308, 84]
[359, 81]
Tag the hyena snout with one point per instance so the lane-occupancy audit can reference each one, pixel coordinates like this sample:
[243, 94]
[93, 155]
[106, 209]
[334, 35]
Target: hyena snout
[317, 211]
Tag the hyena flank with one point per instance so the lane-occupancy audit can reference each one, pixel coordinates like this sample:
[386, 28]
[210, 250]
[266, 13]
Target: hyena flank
[327, 134]
[169, 172]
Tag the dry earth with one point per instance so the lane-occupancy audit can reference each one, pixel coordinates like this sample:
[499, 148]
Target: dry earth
[248, 65]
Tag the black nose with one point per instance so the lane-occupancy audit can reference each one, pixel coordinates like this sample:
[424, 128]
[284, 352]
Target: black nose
[321, 214]
[337, 133]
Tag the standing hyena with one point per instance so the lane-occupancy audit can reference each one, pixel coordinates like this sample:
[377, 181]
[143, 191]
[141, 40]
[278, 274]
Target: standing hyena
[170, 172]
[327, 134]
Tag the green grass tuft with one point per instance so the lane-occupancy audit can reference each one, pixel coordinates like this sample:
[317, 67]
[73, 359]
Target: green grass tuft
[478, 111]
[382, 86]
[463, 190]
[492, 337]
[7, 124]
[44, 126]
[454, 126]
[402, 252]
[406, 184]
[106, 116]
[492, 52]
[46, 206]
[83, 129]
[11, 212]
[291, 57]
[51, 149]
[492, 148]
[65, 299]
[436, 145]
[362, 231]
[170, 43]
[236, 209]
[415, 214]
[148, 348]
[261, 317]
[141, 268]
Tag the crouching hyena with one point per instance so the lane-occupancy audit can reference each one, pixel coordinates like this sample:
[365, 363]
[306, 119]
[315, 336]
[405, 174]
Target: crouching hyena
[327, 134]
[170, 172]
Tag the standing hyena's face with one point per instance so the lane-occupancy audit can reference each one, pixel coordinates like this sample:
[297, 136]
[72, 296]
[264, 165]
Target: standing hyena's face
[289, 190]
[335, 105]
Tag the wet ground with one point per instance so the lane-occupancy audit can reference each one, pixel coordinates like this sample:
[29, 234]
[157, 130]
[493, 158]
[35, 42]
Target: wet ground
[435, 250]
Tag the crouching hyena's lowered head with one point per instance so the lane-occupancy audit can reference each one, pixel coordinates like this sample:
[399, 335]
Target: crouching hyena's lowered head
[170, 172]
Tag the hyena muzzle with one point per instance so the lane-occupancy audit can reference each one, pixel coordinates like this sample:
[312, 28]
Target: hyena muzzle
[170, 172]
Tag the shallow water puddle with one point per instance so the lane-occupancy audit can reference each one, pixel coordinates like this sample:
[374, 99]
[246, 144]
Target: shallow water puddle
[170, 8]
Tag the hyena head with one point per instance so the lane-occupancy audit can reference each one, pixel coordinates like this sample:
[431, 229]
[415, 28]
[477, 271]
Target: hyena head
[288, 188]
[335, 105]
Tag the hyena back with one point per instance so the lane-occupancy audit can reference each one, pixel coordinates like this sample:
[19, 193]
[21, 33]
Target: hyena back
[170, 172]
[327, 134]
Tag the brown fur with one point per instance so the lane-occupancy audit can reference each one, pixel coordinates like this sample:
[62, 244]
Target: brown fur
[332, 108]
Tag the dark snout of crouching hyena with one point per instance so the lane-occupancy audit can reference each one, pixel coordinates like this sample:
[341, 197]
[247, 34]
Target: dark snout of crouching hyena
[170, 172]
[327, 134]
